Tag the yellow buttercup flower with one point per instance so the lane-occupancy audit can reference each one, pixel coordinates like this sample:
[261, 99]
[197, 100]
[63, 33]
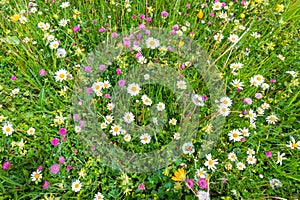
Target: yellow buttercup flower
[15, 17]
[200, 14]
[179, 175]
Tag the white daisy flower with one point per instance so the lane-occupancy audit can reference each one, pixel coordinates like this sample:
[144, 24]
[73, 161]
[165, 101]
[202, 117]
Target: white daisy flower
[106, 84]
[218, 37]
[61, 53]
[76, 186]
[115, 130]
[160, 106]
[127, 137]
[110, 106]
[133, 89]
[152, 43]
[293, 144]
[103, 125]
[7, 128]
[232, 156]
[54, 44]
[63, 22]
[280, 158]
[210, 163]
[240, 166]
[145, 138]
[36, 176]
[146, 100]
[235, 135]
[128, 117]
[250, 151]
[99, 196]
[223, 110]
[181, 85]
[237, 84]
[200, 173]
[251, 160]
[217, 6]
[109, 119]
[97, 86]
[271, 119]
[233, 38]
[61, 75]
[31, 131]
[226, 101]
[176, 136]
[64, 4]
[173, 121]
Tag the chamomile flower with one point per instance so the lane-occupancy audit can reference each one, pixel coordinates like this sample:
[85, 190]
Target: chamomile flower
[292, 73]
[145, 138]
[245, 132]
[293, 144]
[181, 85]
[173, 121]
[7, 128]
[127, 137]
[110, 106]
[259, 78]
[255, 35]
[115, 130]
[265, 86]
[106, 85]
[200, 173]
[99, 196]
[160, 106]
[217, 6]
[251, 160]
[254, 82]
[133, 89]
[36, 176]
[61, 53]
[226, 101]
[240, 166]
[260, 111]
[237, 84]
[31, 131]
[76, 186]
[97, 86]
[235, 135]
[63, 22]
[64, 4]
[142, 60]
[265, 106]
[77, 129]
[232, 156]
[280, 158]
[176, 136]
[236, 66]
[272, 119]
[103, 125]
[128, 117]
[61, 75]
[252, 115]
[152, 43]
[218, 37]
[54, 44]
[188, 148]
[41, 25]
[146, 100]
[210, 163]
[233, 38]
[250, 151]
[223, 110]
[109, 119]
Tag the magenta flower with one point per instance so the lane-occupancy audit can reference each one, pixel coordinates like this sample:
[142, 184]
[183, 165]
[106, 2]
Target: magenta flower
[188, 6]
[247, 100]
[6, 165]
[94, 21]
[205, 97]
[76, 28]
[272, 81]
[149, 19]
[114, 35]
[211, 14]
[61, 159]
[258, 95]
[69, 167]
[147, 32]
[102, 67]
[75, 117]
[62, 131]
[55, 168]
[202, 183]
[75, 151]
[46, 185]
[118, 71]
[175, 27]
[268, 154]
[55, 142]
[88, 69]
[40, 168]
[121, 83]
[142, 26]
[190, 183]
[133, 16]
[89, 90]
[13, 78]
[164, 14]
[172, 32]
[107, 96]
[81, 123]
[43, 72]
[142, 16]
[101, 30]
[141, 186]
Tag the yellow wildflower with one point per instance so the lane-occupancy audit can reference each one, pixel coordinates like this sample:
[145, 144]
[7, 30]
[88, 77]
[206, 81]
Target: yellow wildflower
[279, 8]
[15, 17]
[179, 175]
[200, 14]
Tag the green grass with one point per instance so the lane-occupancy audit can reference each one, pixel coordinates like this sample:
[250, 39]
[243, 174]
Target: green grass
[42, 99]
